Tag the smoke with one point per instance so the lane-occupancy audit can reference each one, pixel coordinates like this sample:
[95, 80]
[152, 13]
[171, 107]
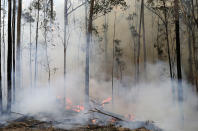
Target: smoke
[151, 100]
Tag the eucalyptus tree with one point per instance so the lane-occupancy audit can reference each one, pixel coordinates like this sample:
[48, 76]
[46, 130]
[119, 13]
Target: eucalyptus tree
[178, 50]
[9, 58]
[18, 50]
[13, 50]
[1, 98]
[96, 9]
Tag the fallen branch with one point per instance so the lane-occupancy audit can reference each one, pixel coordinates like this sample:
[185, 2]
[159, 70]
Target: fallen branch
[113, 115]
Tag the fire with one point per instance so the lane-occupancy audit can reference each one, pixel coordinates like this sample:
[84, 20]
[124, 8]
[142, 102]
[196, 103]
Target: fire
[94, 121]
[70, 106]
[106, 101]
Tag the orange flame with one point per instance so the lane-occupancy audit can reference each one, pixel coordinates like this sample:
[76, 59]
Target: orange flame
[70, 106]
[106, 101]
[94, 121]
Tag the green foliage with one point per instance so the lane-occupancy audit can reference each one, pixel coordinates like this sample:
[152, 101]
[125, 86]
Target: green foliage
[119, 54]
[106, 6]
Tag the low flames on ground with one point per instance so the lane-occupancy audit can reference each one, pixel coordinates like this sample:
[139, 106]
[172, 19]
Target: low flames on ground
[80, 108]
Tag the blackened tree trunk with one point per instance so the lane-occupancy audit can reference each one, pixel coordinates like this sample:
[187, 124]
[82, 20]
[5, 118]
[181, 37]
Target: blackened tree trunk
[52, 8]
[13, 41]
[178, 53]
[9, 58]
[18, 53]
[89, 35]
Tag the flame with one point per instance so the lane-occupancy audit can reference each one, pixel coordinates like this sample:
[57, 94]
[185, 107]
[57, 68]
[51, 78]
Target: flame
[106, 101]
[113, 120]
[70, 106]
[94, 121]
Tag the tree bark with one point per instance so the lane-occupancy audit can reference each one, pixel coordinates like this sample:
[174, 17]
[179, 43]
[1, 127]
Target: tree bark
[13, 41]
[36, 54]
[9, 58]
[30, 51]
[139, 42]
[144, 41]
[113, 60]
[1, 97]
[65, 47]
[52, 9]
[18, 53]
[178, 53]
[89, 35]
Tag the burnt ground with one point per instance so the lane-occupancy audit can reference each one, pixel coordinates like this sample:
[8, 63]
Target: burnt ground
[30, 124]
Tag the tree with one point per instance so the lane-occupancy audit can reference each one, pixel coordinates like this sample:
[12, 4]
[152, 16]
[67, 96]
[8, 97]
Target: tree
[13, 43]
[89, 34]
[18, 53]
[178, 53]
[9, 58]
[65, 45]
[36, 54]
[1, 98]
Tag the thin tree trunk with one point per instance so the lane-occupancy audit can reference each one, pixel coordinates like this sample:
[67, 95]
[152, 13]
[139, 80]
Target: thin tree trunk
[18, 53]
[177, 34]
[191, 73]
[144, 41]
[4, 50]
[9, 58]
[1, 95]
[89, 35]
[105, 36]
[30, 55]
[52, 9]
[167, 41]
[36, 54]
[139, 43]
[65, 48]
[46, 49]
[13, 41]
[113, 60]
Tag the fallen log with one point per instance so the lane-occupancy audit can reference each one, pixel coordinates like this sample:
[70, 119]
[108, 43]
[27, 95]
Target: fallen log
[113, 115]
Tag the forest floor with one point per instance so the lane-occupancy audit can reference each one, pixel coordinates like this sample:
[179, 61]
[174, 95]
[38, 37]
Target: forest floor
[30, 124]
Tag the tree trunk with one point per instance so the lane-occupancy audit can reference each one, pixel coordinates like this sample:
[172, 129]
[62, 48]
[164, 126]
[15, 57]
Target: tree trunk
[13, 41]
[65, 47]
[36, 54]
[46, 48]
[139, 43]
[18, 53]
[1, 97]
[52, 9]
[177, 34]
[4, 45]
[30, 55]
[89, 35]
[9, 58]
[144, 41]
[113, 60]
